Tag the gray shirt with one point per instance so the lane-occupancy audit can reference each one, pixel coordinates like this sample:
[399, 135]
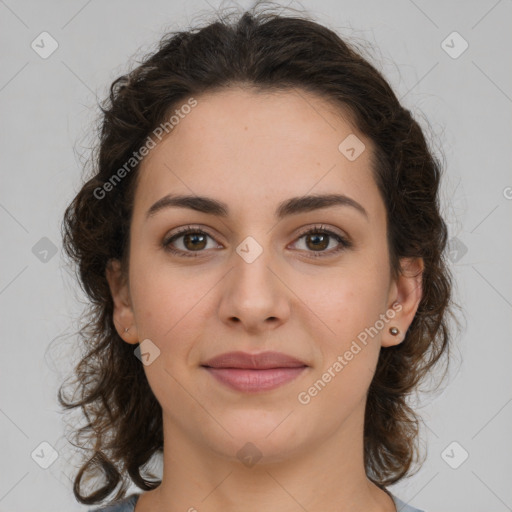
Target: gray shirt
[128, 505]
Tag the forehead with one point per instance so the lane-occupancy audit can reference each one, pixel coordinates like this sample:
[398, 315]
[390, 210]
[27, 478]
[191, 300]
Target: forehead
[248, 147]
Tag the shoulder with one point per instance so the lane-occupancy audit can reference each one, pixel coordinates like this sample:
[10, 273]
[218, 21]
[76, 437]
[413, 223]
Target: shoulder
[401, 506]
[125, 505]
[128, 505]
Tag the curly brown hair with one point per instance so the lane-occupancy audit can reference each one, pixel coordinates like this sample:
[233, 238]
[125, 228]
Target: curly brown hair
[267, 51]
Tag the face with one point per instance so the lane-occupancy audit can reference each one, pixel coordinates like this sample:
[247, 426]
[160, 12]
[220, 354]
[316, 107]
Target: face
[249, 277]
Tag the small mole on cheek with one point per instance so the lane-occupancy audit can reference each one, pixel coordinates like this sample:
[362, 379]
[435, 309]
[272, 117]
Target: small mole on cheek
[245, 128]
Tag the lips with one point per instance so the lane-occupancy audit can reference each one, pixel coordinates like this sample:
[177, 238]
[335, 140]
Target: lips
[261, 361]
[246, 372]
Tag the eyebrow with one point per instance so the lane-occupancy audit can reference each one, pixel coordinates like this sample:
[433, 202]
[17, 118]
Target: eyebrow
[292, 206]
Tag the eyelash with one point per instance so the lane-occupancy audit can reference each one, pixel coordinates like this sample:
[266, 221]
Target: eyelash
[344, 243]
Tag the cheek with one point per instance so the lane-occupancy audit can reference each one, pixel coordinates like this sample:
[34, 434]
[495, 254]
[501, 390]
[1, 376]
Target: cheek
[349, 300]
[162, 297]
[166, 305]
[350, 350]
[349, 304]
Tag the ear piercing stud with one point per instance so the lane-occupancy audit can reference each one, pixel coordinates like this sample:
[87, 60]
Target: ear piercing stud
[394, 331]
[126, 329]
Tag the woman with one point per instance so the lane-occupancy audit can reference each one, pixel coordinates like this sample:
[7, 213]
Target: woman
[263, 250]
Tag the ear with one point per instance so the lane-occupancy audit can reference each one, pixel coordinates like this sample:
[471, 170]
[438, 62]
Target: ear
[404, 298]
[123, 317]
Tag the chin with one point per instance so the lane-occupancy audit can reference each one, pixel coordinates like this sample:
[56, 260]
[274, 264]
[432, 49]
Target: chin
[258, 434]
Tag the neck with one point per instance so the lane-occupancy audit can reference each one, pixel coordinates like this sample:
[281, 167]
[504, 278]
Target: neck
[327, 476]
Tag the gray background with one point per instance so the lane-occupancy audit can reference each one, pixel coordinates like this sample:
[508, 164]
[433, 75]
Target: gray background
[48, 107]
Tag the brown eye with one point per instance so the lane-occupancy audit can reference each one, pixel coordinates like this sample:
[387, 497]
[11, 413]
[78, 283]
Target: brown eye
[194, 241]
[187, 241]
[318, 239]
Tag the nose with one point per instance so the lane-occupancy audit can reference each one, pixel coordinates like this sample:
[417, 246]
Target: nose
[254, 296]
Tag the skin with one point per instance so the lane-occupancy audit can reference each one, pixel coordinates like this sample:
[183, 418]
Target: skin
[252, 151]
